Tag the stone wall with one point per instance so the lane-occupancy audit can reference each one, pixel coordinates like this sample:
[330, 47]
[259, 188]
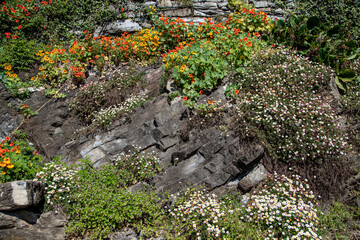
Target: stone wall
[197, 10]
[189, 10]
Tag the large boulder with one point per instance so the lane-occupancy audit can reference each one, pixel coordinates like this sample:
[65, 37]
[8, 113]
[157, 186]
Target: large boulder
[20, 194]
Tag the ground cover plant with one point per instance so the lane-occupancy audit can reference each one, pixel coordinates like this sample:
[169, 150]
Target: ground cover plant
[279, 95]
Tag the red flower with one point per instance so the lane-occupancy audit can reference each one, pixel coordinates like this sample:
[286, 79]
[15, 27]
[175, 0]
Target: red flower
[19, 27]
[210, 102]
[236, 92]
[185, 98]
[201, 92]
[7, 138]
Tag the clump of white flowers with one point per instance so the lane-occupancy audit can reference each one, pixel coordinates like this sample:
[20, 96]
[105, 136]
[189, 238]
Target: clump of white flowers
[59, 181]
[285, 208]
[106, 116]
[198, 215]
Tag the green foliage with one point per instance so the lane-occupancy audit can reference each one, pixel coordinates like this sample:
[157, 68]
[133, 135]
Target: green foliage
[279, 99]
[18, 159]
[342, 12]
[20, 54]
[326, 39]
[27, 112]
[101, 202]
[338, 221]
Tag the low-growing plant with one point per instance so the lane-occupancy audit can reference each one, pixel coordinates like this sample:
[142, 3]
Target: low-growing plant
[19, 161]
[337, 222]
[107, 116]
[59, 182]
[101, 202]
[284, 209]
[196, 215]
[104, 101]
[279, 96]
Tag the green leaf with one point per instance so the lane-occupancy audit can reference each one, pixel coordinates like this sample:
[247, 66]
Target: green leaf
[339, 84]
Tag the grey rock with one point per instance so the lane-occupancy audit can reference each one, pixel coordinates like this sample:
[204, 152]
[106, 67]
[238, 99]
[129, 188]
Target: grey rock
[24, 215]
[250, 155]
[164, 3]
[122, 26]
[139, 187]
[8, 221]
[20, 194]
[127, 234]
[50, 220]
[253, 178]
[33, 233]
[261, 4]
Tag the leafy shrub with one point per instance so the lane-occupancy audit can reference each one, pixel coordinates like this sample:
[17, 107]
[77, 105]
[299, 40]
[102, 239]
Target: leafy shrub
[101, 203]
[212, 50]
[342, 12]
[321, 42]
[20, 54]
[59, 181]
[279, 97]
[284, 209]
[19, 161]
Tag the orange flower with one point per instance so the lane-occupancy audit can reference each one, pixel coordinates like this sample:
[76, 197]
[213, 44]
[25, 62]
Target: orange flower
[2, 164]
[36, 153]
[3, 173]
[185, 98]
[210, 102]
[236, 92]
[249, 44]
[25, 106]
[201, 92]
[7, 138]
[245, 39]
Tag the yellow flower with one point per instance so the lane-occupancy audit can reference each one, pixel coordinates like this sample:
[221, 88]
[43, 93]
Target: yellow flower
[10, 166]
[2, 164]
[65, 71]
[46, 58]
[3, 173]
[18, 151]
[182, 69]
[7, 160]
[30, 164]
[51, 61]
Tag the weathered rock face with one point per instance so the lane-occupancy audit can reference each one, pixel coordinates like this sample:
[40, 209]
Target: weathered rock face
[9, 120]
[47, 131]
[204, 157]
[20, 194]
